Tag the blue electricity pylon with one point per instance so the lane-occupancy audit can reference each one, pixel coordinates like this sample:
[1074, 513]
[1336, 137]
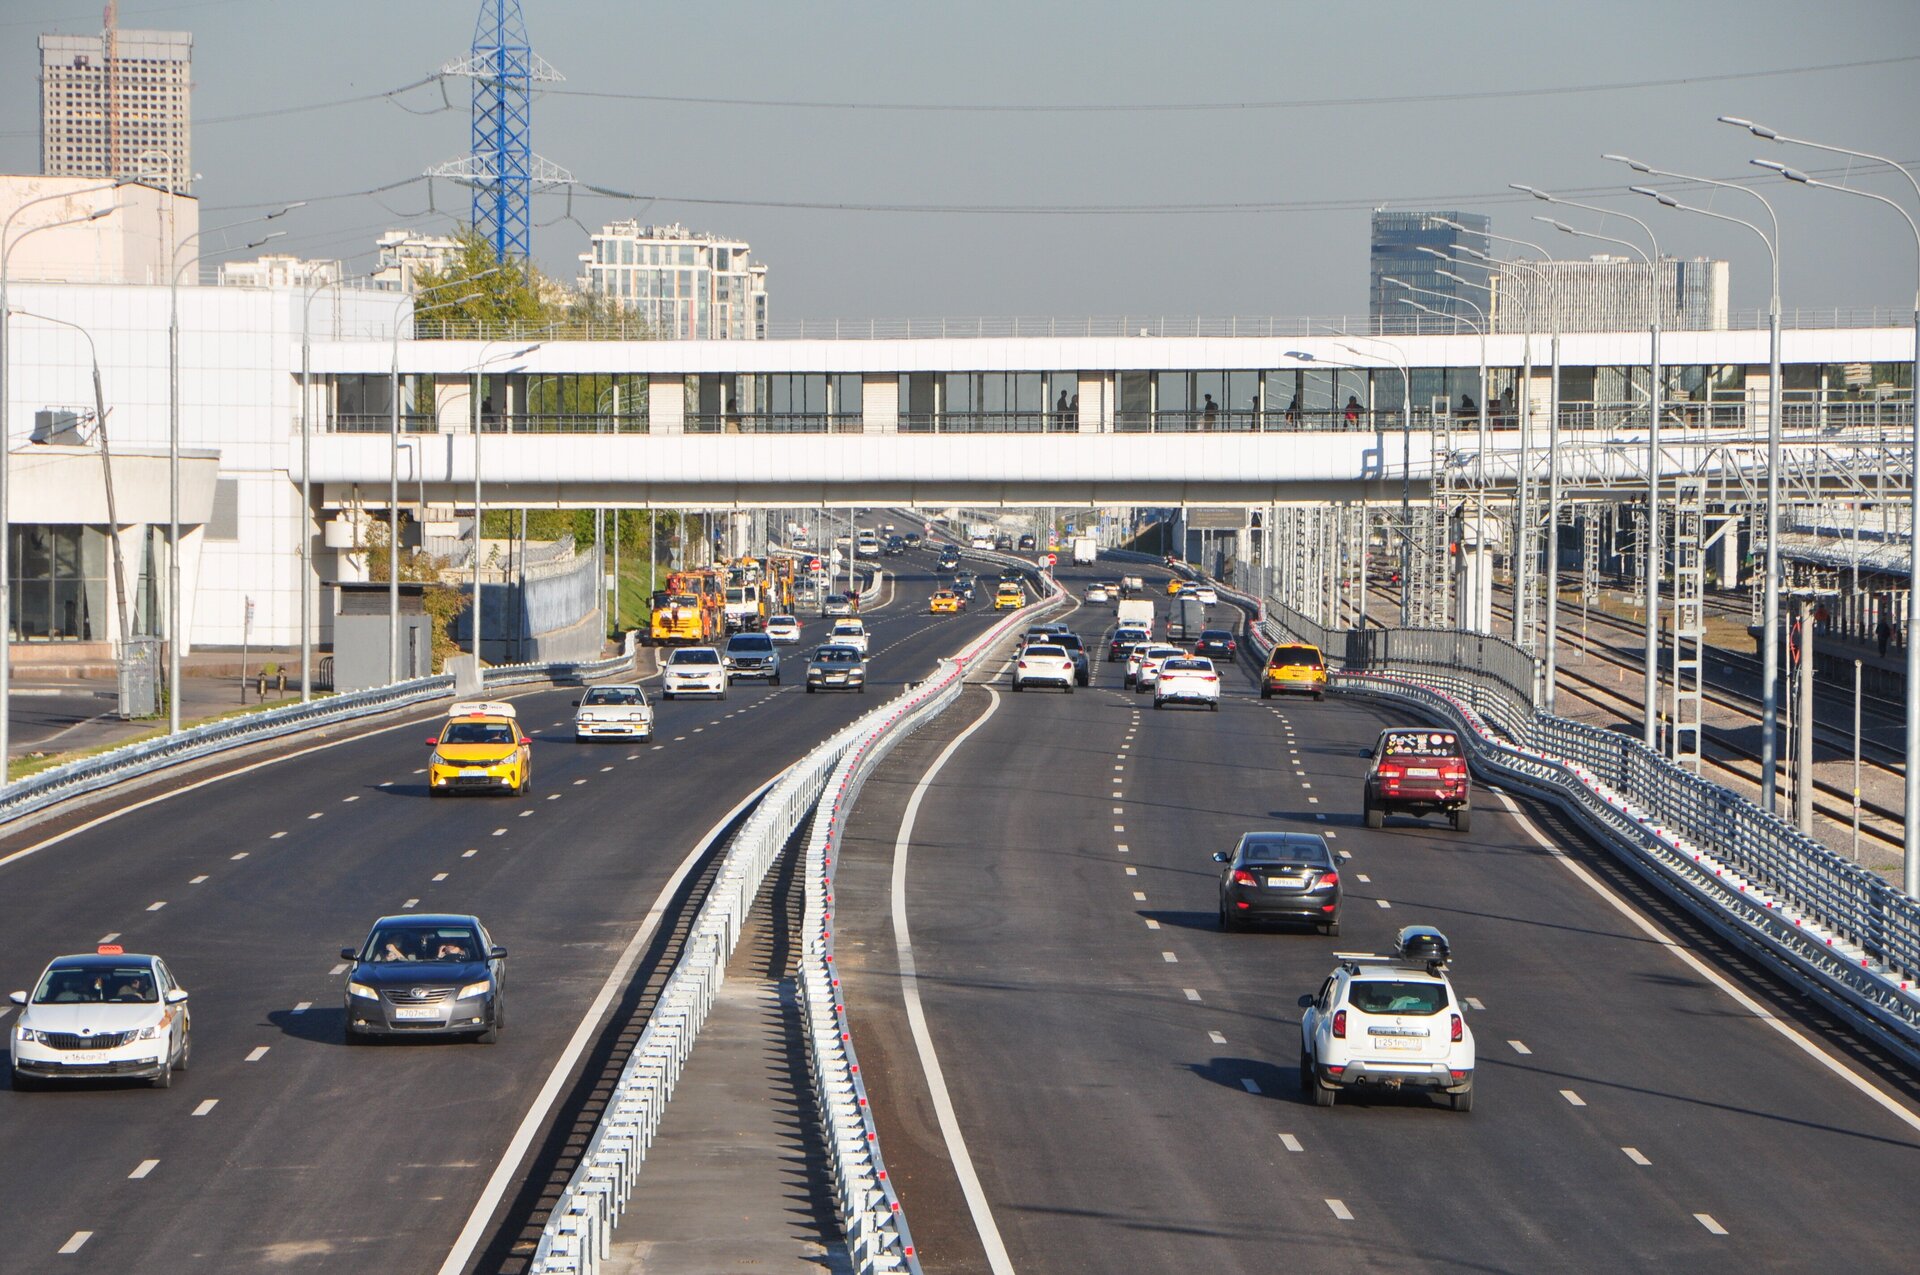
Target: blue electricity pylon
[502, 169]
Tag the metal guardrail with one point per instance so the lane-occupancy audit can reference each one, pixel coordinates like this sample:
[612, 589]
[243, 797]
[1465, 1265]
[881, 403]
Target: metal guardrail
[34, 793]
[822, 786]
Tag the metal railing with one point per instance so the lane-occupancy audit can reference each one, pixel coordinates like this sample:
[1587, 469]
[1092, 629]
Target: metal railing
[774, 423]
[820, 787]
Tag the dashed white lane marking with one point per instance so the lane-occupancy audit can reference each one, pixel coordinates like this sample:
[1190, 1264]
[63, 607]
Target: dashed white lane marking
[1314, 800]
[636, 756]
[1119, 767]
[411, 903]
[526, 814]
[1887, 1101]
[1346, 854]
[1169, 958]
[1139, 896]
[1119, 810]
[1216, 1038]
[235, 858]
[605, 769]
[276, 836]
[197, 880]
[1473, 1002]
[385, 783]
[5, 1010]
[355, 797]
[656, 748]
[206, 1106]
[468, 854]
[1363, 878]
[341, 968]
[1519, 1048]
[1331, 835]
[1305, 784]
[143, 1169]
[1573, 1099]
[439, 876]
[499, 832]
[1704, 1219]
[1152, 924]
[1633, 1154]
[303, 1007]
[258, 1052]
[1248, 1084]
[1119, 827]
[1383, 903]
[1192, 993]
[76, 1241]
[553, 796]
[155, 907]
[110, 937]
[1133, 872]
[1290, 1142]
[1122, 847]
[1340, 1210]
[421, 771]
[578, 782]
[318, 814]
[679, 739]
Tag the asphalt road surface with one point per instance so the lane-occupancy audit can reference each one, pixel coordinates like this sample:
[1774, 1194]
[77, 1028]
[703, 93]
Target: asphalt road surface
[1124, 1076]
[282, 1149]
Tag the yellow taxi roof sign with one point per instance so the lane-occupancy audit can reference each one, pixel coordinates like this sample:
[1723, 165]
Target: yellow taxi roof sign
[483, 708]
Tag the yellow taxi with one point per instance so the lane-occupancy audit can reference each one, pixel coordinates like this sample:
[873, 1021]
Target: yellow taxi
[480, 749]
[1295, 668]
[1009, 597]
[945, 602]
[1175, 585]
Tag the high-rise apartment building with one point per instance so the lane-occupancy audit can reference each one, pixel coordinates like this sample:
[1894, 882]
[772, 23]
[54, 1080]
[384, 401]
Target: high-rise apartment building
[405, 255]
[1610, 294]
[118, 104]
[1395, 253]
[684, 284]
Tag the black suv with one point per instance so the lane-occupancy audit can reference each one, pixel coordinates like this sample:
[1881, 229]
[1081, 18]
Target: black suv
[949, 559]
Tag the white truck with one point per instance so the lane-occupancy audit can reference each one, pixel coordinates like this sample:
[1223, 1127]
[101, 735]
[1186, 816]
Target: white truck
[1135, 613]
[1085, 550]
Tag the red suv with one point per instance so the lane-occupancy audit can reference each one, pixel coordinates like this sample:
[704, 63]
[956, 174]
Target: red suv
[1417, 770]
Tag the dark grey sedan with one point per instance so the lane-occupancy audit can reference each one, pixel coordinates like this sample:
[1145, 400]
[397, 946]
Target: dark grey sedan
[1280, 876]
[423, 974]
[837, 668]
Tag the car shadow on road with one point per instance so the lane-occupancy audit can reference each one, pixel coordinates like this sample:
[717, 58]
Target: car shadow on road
[1183, 920]
[321, 1025]
[1271, 1081]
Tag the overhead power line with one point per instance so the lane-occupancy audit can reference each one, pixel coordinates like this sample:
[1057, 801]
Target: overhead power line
[1279, 104]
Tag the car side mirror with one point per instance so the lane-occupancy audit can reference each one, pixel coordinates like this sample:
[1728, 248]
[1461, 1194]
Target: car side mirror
[349, 954]
[524, 741]
[496, 953]
[576, 703]
[176, 996]
[1219, 856]
[1306, 1001]
[18, 998]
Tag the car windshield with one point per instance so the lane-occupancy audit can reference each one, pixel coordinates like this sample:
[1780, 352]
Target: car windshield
[97, 985]
[753, 642]
[1421, 743]
[392, 943]
[836, 655]
[1296, 657]
[477, 733]
[694, 655]
[601, 695]
[1392, 996]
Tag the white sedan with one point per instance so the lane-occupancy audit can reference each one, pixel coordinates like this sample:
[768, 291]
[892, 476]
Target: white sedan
[1187, 681]
[613, 712]
[1041, 665]
[849, 633]
[783, 629]
[1146, 661]
[106, 1014]
[694, 670]
[1207, 595]
[1098, 593]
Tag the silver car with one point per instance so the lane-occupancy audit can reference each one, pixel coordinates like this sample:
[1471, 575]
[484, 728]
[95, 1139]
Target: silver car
[837, 668]
[613, 712]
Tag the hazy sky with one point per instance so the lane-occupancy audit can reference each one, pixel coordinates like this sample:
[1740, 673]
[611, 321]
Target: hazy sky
[255, 57]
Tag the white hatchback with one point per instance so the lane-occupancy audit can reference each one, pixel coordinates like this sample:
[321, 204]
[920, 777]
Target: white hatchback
[1187, 681]
[694, 670]
[1390, 1021]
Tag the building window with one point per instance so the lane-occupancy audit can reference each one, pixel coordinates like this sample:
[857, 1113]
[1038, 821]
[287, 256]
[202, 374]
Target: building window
[60, 583]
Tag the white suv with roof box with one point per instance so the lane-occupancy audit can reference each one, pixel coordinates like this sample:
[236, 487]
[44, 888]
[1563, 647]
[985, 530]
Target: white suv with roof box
[1388, 1021]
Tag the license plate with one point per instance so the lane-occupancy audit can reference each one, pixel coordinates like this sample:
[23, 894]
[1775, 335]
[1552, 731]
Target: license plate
[1404, 1044]
[1422, 772]
[1278, 883]
[471, 772]
[416, 1011]
[83, 1060]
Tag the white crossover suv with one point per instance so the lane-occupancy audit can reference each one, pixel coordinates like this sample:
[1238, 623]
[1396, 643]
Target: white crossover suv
[1388, 1021]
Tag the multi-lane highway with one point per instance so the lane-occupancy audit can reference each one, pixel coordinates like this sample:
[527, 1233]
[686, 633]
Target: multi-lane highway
[282, 1148]
[1122, 1075]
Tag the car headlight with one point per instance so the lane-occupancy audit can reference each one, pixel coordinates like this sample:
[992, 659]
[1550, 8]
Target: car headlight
[361, 989]
[481, 988]
[151, 1031]
[437, 760]
[32, 1037]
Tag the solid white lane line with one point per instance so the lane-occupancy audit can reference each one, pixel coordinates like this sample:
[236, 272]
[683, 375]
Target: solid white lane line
[338, 970]
[205, 1106]
[237, 857]
[1519, 1048]
[76, 1241]
[1887, 1101]
[977, 1204]
[508, 1166]
[1169, 958]
[439, 876]
[1290, 1142]
[1340, 1210]
[1704, 1219]
[1216, 1038]
[303, 1007]
[258, 1052]
[1192, 994]
[155, 907]
[1573, 1099]
[143, 1169]
[1633, 1154]
[197, 880]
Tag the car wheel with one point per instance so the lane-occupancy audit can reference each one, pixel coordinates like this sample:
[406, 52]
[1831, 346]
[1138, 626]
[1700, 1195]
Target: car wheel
[491, 1036]
[1266, 692]
[666, 694]
[1375, 816]
[348, 1036]
[1463, 819]
[23, 1083]
[1322, 1096]
[435, 792]
[1229, 923]
[186, 1053]
[1016, 686]
[1158, 704]
[1331, 929]
[863, 688]
[1069, 688]
[809, 690]
[1306, 1074]
[165, 1079]
[1462, 1101]
[1318, 696]
[1214, 707]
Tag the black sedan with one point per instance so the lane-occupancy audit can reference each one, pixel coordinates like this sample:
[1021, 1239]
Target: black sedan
[1122, 639]
[948, 560]
[1280, 876]
[1082, 667]
[1215, 644]
[425, 974]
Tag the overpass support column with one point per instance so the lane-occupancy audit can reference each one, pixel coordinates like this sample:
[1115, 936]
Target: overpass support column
[666, 404]
[879, 404]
